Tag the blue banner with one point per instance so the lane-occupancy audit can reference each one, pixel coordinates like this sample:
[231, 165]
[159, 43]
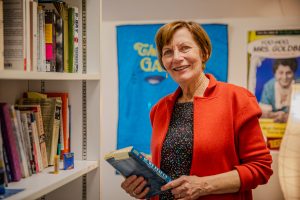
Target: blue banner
[142, 81]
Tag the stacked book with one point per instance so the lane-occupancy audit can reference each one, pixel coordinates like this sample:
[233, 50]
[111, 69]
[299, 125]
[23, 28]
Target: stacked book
[33, 131]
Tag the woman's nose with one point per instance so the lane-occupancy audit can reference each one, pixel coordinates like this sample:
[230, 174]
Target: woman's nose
[177, 55]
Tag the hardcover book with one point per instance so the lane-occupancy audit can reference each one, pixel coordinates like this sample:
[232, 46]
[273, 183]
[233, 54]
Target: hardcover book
[129, 161]
[9, 142]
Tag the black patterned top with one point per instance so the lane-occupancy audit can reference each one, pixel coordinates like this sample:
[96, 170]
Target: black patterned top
[177, 149]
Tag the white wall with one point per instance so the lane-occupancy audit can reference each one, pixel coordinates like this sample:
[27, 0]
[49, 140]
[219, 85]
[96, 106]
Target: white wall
[238, 14]
[237, 74]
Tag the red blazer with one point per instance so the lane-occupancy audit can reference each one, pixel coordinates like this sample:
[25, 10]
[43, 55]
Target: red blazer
[227, 136]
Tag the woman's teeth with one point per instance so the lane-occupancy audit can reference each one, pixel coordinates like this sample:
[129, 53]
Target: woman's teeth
[179, 68]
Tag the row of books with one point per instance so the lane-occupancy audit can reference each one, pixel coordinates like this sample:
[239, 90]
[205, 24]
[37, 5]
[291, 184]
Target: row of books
[32, 132]
[39, 36]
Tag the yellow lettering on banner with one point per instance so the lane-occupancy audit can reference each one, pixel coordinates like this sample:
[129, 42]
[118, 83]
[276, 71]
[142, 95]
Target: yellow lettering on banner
[271, 129]
[144, 49]
[48, 33]
[147, 65]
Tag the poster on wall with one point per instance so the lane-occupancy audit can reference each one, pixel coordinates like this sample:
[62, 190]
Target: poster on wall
[274, 65]
[142, 81]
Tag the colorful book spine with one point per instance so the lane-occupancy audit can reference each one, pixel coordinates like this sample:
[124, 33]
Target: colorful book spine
[73, 39]
[50, 39]
[59, 45]
[9, 141]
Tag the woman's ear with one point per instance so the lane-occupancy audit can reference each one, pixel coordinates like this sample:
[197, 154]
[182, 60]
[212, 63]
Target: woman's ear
[204, 58]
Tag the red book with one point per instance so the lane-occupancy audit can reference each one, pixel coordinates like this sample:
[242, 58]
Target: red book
[9, 142]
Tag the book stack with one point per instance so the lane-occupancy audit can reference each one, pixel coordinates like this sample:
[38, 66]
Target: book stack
[43, 37]
[33, 131]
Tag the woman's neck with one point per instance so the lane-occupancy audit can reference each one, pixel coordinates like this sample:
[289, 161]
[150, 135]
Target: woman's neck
[196, 88]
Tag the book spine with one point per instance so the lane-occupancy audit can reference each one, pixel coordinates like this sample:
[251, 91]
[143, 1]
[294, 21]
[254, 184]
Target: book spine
[14, 34]
[65, 17]
[41, 66]
[59, 45]
[34, 167]
[71, 38]
[75, 40]
[42, 136]
[10, 142]
[27, 144]
[55, 131]
[20, 144]
[33, 34]
[50, 19]
[28, 41]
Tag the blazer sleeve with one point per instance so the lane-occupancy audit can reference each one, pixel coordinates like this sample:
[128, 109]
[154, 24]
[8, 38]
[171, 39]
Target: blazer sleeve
[255, 159]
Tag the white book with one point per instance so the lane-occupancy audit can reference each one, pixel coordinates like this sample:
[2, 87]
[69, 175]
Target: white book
[33, 35]
[27, 36]
[41, 53]
[14, 42]
[76, 34]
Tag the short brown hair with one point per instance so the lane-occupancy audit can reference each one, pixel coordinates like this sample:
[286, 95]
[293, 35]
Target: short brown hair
[290, 62]
[165, 34]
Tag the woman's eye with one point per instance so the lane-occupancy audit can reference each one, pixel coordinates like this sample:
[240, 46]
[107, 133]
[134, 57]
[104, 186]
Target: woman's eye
[185, 49]
[167, 53]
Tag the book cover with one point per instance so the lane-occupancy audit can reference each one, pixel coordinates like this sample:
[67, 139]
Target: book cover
[9, 141]
[129, 161]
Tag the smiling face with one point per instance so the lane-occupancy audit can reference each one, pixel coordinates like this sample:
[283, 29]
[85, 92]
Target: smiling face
[182, 57]
[284, 75]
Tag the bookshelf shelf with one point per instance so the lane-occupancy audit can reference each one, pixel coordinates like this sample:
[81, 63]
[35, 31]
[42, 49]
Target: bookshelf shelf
[42, 183]
[22, 75]
[83, 89]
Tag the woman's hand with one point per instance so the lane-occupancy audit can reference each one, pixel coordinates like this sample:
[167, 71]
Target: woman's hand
[135, 186]
[193, 187]
[188, 187]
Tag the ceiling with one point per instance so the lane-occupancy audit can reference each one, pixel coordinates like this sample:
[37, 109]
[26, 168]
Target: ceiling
[136, 10]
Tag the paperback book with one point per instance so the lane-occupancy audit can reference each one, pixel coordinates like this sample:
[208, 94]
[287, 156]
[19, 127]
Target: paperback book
[129, 161]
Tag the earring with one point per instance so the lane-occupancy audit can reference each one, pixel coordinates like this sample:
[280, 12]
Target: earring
[166, 75]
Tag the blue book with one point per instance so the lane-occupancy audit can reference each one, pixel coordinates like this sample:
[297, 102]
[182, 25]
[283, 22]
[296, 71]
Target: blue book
[129, 161]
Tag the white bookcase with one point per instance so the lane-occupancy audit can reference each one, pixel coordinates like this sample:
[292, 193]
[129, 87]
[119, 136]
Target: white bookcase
[83, 182]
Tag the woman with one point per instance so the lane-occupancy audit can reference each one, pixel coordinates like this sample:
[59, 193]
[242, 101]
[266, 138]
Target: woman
[206, 134]
[275, 99]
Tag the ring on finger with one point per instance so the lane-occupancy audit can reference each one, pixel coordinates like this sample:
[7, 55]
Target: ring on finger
[134, 193]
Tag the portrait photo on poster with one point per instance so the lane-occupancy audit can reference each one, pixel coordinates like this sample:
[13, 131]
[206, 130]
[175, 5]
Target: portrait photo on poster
[274, 66]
